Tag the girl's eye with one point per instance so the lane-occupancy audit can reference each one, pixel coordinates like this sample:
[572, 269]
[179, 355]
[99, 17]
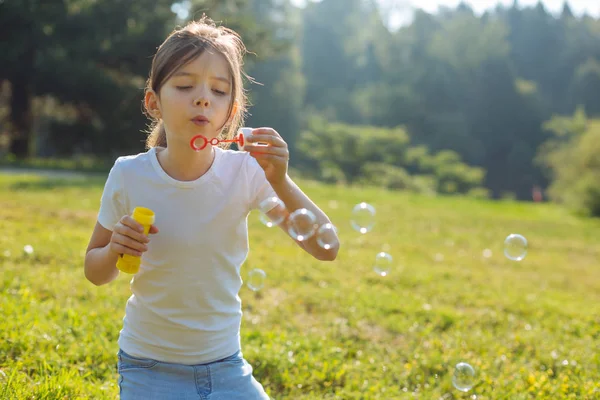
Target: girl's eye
[219, 92]
[184, 87]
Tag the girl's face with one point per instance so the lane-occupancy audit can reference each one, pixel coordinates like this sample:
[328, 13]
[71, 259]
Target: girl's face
[196, 99]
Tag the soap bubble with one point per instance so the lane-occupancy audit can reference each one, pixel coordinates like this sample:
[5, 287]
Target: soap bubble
[327, 236]
[383, 263]
[276, 210]
[464, 377]
[256, 279]
[363, 217]
[515, 247]
[302, 224]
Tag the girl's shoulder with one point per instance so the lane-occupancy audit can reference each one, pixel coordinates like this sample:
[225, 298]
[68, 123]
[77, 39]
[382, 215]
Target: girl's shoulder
[135, 161]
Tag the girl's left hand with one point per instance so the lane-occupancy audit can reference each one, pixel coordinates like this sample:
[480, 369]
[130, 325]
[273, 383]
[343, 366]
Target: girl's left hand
[272, 157]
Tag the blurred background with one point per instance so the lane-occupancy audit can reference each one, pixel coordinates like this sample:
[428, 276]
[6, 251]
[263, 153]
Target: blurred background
[494, 101]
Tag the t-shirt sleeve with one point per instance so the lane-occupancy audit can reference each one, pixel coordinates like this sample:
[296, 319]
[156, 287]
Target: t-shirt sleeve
[112, 203]
[260, 188]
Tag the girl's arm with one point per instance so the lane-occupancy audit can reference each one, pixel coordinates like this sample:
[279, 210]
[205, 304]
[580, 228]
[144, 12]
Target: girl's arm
[105, 246]
[100, 261]
[293, 198]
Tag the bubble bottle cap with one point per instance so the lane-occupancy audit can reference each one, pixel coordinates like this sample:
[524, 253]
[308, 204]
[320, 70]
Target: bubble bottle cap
[143, 215]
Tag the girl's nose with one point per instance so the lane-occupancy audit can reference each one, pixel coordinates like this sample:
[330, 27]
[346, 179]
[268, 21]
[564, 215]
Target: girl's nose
[201, 101]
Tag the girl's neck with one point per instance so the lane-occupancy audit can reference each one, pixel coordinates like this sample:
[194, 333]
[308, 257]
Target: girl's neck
[183, 164]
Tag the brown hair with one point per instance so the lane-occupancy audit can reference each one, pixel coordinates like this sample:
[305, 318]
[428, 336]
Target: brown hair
[184, 45]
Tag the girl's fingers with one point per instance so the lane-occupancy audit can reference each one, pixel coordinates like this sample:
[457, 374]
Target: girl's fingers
[128, 237]
[266, 131]
[270, 157]
[278, 151]
[275, 141]
[132, 233]
[132, 223]
[120, 249]
[131, 243]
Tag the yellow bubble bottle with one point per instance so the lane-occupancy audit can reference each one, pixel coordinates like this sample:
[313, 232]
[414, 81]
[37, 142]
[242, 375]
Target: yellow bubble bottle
[126, 262]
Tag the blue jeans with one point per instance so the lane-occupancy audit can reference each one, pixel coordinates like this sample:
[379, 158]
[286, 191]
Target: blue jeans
[227, 379]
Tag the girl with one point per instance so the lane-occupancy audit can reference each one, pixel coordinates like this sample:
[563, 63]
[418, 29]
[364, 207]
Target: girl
[181, 330]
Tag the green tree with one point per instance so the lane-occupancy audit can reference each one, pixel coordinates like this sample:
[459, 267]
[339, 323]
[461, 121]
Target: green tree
[573, 159]
[585, 88]
[340, 54]
[94, 56]
[79, 52]
[278, 94]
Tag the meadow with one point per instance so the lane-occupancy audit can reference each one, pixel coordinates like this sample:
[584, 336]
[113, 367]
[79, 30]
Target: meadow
[327, 330]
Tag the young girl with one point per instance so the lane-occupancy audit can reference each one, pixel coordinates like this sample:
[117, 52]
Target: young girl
[181, 330]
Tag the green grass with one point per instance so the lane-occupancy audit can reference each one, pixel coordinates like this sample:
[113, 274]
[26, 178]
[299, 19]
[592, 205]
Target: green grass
[321, 330]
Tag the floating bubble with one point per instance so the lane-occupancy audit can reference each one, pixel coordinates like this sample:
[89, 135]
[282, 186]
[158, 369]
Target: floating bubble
[28, 249]
[464, 377]
[515, 247]
[383, 263]
[256, 279]
[302, 224]
[363, 217]
[327, 236]
[275, 209]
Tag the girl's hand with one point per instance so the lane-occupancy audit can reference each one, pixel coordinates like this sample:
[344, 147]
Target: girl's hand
[272, 155]
[128, 237]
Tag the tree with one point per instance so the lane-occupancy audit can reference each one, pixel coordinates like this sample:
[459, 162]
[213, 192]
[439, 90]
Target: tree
[94, 56]
[78, 51]
[573, 159]
[278, 94]
[339, 41]
[585, 87]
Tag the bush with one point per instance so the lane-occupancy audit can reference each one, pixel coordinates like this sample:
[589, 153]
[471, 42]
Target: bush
[573, 159]
[479, 193]
[338, 153]
[388, 176]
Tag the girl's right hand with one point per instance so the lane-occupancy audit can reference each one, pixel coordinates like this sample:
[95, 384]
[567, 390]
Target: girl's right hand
[128, 237]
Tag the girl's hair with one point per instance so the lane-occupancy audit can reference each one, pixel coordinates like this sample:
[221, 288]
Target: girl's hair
[184, 45]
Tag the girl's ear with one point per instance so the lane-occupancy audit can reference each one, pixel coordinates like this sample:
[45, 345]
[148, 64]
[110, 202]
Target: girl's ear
[152, 104]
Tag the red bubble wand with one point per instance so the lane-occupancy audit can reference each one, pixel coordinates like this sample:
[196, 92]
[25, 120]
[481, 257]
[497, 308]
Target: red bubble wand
[215, 141]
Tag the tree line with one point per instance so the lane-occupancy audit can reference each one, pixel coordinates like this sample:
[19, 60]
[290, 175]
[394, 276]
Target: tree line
[453, 102]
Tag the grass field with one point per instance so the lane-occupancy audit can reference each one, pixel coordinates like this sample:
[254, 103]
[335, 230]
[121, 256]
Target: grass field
[319, 330]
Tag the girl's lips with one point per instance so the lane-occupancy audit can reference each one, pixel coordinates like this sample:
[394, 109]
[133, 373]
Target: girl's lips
[200, 122]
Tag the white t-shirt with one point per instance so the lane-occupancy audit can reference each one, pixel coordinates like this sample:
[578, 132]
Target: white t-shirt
[184, 306]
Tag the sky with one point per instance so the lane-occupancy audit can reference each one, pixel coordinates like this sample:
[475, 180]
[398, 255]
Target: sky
[404, 7]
